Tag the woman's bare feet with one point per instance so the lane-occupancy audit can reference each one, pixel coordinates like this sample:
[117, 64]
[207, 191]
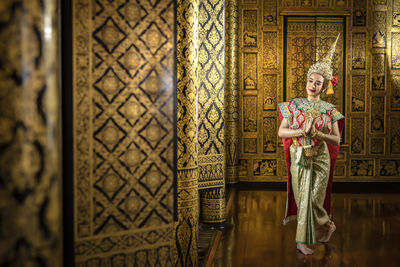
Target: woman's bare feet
[304, 249]
[327, 236]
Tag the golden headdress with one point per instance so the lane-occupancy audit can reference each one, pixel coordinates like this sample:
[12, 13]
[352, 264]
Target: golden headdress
[324, 68]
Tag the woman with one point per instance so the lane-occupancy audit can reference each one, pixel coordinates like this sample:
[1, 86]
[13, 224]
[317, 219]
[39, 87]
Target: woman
[311, 129]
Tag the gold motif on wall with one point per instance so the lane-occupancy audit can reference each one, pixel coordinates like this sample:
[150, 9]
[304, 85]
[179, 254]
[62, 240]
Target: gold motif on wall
[390, 167]
[377, 114]
[341, 3]
[242, 167]
[269, 12]
[300, 54]
[379, 2]
[264, 167]
[323, 3]
[306, 3]
[249, 2]
[250, 71]
[396, 13]
[358, 93]
[249, 145]
[304, 47]
[377, 145]
[394, 135]
[270, 56]
[340, 170]
[270, 84]
[362, 167]
[359, 48]
[357, 136]
[250, 28]
[249, 113]
[379, 29]
[359, 12]
[269, 135]
[395, 50]
[395, 97]
[378, 72]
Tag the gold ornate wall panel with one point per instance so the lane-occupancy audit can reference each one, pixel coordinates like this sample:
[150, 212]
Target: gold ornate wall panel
[186, 225]
[358, 100]
[232, 131]
[359, 50]
[379, 29]
[359, 12]
[396, 13]
[123, 132]
[367, 63]
[395, 97]
[309, 39]
[378, 72]
[30, 164]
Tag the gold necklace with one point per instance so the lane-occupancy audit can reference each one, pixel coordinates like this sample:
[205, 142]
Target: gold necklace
[313, 112]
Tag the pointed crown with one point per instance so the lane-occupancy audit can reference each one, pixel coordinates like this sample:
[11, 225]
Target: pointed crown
[324, 67]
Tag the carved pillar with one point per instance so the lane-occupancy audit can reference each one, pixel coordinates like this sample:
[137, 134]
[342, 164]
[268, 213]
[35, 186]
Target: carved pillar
[30, 169]
[211, 108]
[186, 225]
[124, 64]
[232, 138]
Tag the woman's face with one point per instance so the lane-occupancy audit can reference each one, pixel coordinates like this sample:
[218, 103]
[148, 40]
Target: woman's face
[315, 84]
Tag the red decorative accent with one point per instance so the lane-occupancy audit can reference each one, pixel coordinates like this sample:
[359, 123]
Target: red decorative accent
[334, 81]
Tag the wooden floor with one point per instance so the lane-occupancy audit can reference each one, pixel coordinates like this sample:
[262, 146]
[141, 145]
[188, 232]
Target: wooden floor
[368, 232]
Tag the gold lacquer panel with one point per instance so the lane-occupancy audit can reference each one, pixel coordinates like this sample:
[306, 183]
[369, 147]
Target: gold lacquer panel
[395, 97]
[378, 114]
[270, 12]
[379, 29]
[378, 72]
[123, 132]
[394, 136]
[250, 71]
[358, 91]
[359, 12]
[250, 28]
[359, 50]
[395, 50]
[357, 135]
[396, 13]
[269, 137]
[308, 40]
[249, 113]
[270, 85]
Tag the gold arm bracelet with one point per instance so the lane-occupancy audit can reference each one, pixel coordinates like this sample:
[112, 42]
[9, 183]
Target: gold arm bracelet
[299, 132]
[320, 135]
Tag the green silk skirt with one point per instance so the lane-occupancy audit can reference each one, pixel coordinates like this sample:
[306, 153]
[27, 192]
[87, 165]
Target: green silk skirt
[309, 181]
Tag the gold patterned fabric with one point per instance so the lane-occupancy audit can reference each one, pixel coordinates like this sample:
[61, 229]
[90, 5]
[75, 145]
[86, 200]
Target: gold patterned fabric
[309, 184]
[309, 173]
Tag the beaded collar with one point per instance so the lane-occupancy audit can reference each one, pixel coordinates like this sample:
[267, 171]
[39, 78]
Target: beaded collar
[304, 104]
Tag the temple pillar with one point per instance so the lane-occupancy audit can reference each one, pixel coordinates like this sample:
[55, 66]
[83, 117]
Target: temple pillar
[211, 110]
[232, 132]
[30, 166]
[186, 224]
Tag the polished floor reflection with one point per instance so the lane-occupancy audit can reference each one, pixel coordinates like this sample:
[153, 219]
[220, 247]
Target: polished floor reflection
[368, 232]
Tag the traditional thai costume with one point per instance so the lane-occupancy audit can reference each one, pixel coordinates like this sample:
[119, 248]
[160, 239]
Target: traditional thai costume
[310, 162]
